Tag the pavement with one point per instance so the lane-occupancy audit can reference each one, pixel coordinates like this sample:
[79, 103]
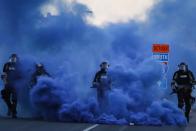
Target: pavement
[8, 124]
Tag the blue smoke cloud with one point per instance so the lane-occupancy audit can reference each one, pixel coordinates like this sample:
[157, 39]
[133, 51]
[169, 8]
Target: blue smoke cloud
[72, 50]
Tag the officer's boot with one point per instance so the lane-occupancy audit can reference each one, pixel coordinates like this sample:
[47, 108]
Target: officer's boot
[9, 105]
[6, 98]
[187, 116]
[14, 112]
[187, 112]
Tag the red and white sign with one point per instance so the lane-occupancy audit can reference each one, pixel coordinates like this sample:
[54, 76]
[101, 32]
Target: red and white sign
[160, 48]
[161, 52]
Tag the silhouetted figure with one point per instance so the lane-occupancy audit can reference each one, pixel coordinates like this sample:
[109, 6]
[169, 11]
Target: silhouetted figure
[182, 84]
[10, 77]
[102, 82]
[39, 71]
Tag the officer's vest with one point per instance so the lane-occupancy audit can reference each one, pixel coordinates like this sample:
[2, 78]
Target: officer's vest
[183, 78]
[105, 81]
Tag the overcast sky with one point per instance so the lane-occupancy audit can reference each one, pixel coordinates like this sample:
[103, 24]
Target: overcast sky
[111, 11]
[106, 11]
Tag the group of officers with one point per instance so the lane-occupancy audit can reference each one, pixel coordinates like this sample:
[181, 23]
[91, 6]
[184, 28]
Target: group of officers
[182, 84]
[11, 76]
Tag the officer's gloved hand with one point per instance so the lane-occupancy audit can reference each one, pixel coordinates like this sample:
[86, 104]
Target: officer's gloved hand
[95, 85]
[3, 76]
[174, 90]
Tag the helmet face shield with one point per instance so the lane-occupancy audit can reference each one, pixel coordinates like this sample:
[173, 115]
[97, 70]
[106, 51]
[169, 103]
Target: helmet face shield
[183, 67]
[104, 66]
[13, 59]
[39, 66]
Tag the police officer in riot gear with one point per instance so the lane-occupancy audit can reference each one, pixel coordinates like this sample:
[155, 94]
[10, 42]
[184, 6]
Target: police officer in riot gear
[102, 82]
[182, 84]
[39, 71]
[10, 77]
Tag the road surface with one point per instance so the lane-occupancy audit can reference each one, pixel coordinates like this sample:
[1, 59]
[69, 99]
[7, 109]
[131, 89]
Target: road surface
[8, 124]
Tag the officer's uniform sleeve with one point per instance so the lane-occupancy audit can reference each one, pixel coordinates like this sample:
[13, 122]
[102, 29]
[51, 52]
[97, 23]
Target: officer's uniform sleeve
[175, 76]
[110, 82]
[5, 68]
[33, 79]
[46, 73]
[174, 80]
[191, 76]
[96, 77]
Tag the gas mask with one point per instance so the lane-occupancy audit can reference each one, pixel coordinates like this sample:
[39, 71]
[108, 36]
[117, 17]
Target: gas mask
[183, 67]
[39, 68]
[104, 66]
[39, 65]
[13, 59]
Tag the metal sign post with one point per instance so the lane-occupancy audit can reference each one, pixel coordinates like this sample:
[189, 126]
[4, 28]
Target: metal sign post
[161, 55]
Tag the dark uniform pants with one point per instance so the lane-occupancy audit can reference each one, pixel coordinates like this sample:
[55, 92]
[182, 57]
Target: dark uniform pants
[184, 97]
[102, 97]
[10, 98]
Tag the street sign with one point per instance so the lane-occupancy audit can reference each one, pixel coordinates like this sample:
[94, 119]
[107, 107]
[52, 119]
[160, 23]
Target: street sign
[161, 52]
[160, 48]
[161, 57]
